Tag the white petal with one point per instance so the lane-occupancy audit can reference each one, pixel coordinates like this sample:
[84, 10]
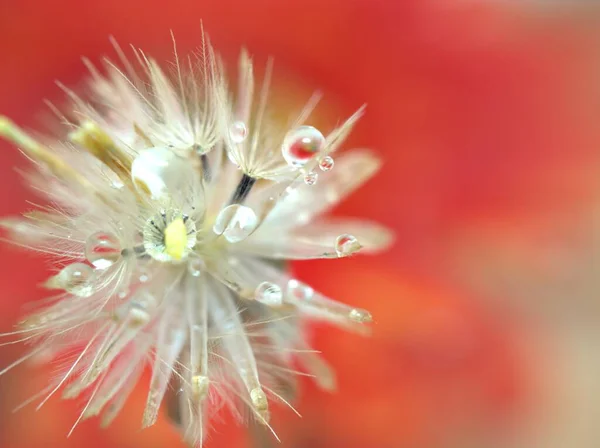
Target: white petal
[299, 205]
[372, 237]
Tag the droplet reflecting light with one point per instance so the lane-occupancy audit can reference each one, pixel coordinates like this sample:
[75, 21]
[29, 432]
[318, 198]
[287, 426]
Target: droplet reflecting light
[302, 144]
[235, 222]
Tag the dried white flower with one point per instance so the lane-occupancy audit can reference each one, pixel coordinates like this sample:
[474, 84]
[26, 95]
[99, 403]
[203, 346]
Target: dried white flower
[170, 210]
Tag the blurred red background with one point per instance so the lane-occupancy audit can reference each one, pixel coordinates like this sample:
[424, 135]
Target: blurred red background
[485, 113]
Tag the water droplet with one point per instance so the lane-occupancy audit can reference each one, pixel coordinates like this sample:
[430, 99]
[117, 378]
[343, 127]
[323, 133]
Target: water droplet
[311, 178]
[196, 266]
[298, 290]
[346, 245]
[102, 249]
[122, 294]
[302, 144]
[143, 275]
[326, 163]
[138, 315]
[238, 132]
[360, 316]
[259, 399]
[168, 227]
[77, 279]
[158, 171]
[268, 293]
[235, 222]
[200, 385]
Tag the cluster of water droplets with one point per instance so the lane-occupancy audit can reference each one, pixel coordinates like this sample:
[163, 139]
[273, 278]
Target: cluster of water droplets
[157, 170]
[303, 144]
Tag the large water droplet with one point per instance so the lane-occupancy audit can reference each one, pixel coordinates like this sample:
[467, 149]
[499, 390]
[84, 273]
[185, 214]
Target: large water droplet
[302, 144]
[102, 249]
[238, 131]
[346, 245]
[269, 294]
[326, 163]
[158, 171]
[77, 279]
[235, 222]
[311, 178]
[299, 291]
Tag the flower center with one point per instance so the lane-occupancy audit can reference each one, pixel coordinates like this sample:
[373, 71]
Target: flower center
[169, 236]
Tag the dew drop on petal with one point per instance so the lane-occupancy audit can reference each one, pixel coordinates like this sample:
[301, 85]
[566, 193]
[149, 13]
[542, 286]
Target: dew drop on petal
[346, 245]
[196, 266]
[158, 171]
[102, 249]
[298, 290]
[302, 144]
[238, 131]
[268, 293]
[360, 316]
[138, 315]
[326, 163]
[77, 279]
[235, 222]
[311, 178]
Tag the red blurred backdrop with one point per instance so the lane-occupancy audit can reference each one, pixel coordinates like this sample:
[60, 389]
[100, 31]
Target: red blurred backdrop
[485, 114]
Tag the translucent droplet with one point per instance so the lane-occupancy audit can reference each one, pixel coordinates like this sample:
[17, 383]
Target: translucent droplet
[299, 291]
[238, 132]
[259, 399]
[159, 231]
[123, 293]
[360, 316]
[200, 385]
[269, 294]
[138, 315]
[143, 275]
[112, 178]
[158, 171]
[77, 279]
[196, 266]
[302, 144]
[326, 163]
[235, 222]
[311, 178]
[346, 245]
[102, 249]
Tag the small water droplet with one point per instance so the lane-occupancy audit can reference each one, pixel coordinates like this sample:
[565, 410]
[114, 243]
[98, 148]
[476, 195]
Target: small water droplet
[346, 245]
[311, 178]
[138, 315]
[123, 294]
[102, 249]
[269, 294]
[143, 275]
[77, 279]
[259, 399]
[200, 384]
[235, 222]
[326, 163]
[298, 290]
[238, 132]
[302, 144]
[360, 316]
[196, 266]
